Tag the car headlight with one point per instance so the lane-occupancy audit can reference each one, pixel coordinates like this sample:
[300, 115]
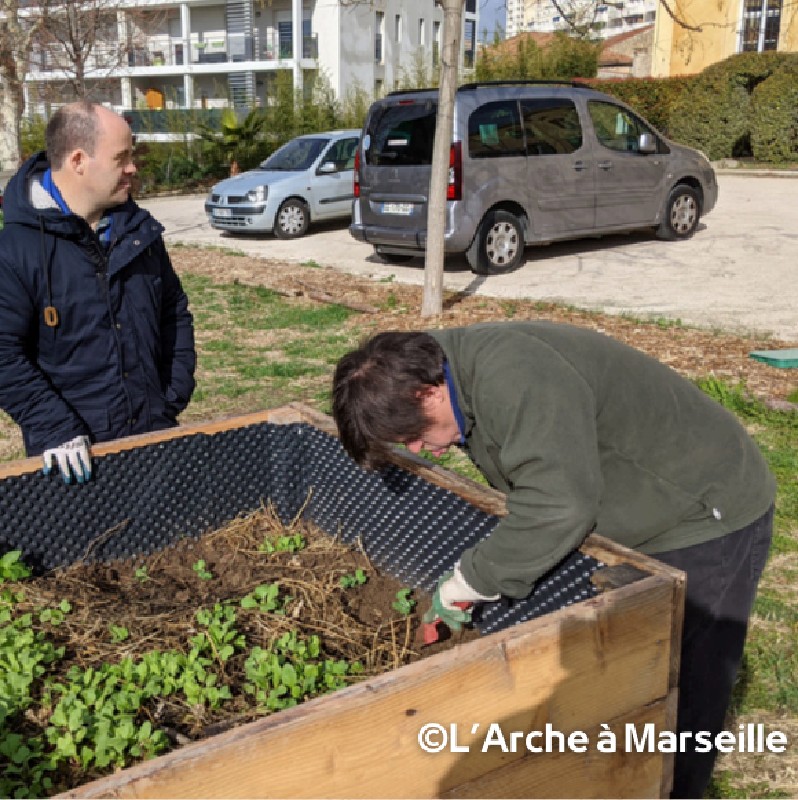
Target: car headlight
[258, 195]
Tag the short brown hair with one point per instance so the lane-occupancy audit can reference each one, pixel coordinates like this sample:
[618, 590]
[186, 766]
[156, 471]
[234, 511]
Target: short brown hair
[376, 392]
[71, 127]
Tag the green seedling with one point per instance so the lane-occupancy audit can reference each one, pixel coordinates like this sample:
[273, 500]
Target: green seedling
[265, 598]
[404, 603]
[202, 573]
[221, 638]
[350, 581]
[55, 616]
[12, 568]
[283, 544]
[119, 633]
[141, 574]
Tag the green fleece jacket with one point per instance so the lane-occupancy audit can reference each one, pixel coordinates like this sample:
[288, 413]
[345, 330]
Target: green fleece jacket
[583, 433]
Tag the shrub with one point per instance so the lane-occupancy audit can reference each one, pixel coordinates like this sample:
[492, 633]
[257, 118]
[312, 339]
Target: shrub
[714, 117]
[717, 114]
[563, 59]
[774, 131]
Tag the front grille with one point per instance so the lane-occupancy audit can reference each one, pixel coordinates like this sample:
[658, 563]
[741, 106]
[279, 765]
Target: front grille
[231, 199]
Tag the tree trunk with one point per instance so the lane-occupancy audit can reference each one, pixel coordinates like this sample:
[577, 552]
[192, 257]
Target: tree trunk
[432, 299]
[10, 113]
[14, 44]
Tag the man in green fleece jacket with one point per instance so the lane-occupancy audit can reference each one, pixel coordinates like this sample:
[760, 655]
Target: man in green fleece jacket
[583, 434]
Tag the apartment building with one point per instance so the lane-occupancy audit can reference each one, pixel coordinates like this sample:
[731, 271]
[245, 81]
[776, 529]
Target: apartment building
[603, 19]
[715, 31]
[212, 53]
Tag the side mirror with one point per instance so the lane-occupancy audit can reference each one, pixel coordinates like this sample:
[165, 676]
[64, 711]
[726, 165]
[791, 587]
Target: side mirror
[327, 168]
[646, 144]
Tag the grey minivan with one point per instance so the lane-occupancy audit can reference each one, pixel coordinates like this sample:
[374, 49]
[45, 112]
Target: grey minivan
[530, 162]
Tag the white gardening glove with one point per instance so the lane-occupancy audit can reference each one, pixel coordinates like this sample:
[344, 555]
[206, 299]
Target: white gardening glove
[456, 590]
[72, 456]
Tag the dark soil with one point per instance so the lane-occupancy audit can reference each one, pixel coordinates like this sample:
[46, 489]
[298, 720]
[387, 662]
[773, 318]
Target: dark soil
[155, 599]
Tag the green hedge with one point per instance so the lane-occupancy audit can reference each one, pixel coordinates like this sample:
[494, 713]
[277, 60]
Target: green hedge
[774, 106]
[721, 116]
[714, 117]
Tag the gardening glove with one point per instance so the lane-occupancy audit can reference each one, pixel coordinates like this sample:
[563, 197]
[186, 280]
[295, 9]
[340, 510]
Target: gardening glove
[451, 600]
[72, 456]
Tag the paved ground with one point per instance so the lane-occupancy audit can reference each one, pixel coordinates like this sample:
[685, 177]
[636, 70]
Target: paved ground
[738, 273]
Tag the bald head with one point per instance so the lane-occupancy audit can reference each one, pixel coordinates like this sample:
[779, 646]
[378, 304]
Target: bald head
[90, 150]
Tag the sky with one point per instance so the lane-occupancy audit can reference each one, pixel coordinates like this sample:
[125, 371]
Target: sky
[490, 12]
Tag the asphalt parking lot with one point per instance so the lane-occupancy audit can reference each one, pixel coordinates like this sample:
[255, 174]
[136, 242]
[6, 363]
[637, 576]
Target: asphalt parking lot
[738, 273]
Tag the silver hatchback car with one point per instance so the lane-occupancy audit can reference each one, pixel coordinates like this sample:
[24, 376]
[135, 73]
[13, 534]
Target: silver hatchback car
[529, 163]
[306, 180]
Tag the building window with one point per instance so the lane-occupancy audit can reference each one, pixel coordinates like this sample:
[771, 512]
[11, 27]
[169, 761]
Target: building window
[378, 30]
[285, 36]
[761, 23]
[421, 33]
[436, 43]
[469, 43]
[397, 29]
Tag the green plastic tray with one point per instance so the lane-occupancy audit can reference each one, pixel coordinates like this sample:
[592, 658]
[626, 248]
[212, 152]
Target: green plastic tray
[777, 358]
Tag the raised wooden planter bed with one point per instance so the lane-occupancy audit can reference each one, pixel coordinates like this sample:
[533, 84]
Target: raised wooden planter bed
[608, 661]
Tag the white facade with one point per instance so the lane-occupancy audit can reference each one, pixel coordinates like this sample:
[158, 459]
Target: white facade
[605, 19]
[206, 53]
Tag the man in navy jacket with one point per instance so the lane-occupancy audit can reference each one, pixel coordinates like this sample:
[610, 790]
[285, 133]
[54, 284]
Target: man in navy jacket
[96, 339]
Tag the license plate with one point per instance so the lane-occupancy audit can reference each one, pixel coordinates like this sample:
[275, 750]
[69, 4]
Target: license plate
[222, 212]
[405, 209]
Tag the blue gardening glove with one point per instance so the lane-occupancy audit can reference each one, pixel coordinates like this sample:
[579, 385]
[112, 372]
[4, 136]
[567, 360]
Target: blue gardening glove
[453, 590]
[72, 457]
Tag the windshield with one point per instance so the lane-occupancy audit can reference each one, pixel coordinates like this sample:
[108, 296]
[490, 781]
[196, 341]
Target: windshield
[295, 156]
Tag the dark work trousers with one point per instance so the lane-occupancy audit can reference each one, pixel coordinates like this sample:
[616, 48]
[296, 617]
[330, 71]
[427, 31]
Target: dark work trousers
[722, 576]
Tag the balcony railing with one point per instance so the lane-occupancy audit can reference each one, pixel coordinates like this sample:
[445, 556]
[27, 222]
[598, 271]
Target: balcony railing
[165, 51]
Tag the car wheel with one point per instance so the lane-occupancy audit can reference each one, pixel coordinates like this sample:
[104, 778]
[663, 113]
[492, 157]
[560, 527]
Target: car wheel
[682, 212]
[292, 220]
[392, 258]
[498, 246]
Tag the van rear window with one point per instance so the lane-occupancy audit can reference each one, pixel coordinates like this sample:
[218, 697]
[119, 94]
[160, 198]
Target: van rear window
[402, 135]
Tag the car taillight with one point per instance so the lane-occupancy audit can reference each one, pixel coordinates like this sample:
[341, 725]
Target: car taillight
[356, 178]
[454, 189]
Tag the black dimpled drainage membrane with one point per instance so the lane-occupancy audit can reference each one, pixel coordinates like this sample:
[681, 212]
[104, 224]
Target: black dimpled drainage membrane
[144, 499]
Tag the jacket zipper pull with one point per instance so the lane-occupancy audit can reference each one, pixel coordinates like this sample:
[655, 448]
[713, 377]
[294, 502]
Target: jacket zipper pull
[50, 316]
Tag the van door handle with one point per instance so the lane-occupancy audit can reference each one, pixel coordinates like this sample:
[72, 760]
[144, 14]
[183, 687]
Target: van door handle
[579, 166]
[605, 165]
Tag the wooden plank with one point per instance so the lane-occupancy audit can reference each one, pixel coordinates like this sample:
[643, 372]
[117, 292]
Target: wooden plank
[590, 774]
[278, 416]
[575, 668]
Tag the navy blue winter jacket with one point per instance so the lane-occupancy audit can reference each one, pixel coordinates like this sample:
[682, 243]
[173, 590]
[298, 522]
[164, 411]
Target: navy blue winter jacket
[121, 359]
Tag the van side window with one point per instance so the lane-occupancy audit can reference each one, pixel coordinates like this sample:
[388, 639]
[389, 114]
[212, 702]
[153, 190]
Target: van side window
[494, 129]
[617, 129]
[402, 136]
[551, 126]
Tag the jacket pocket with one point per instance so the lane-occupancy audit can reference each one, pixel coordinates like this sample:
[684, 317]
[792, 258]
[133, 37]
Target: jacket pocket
[98, 422]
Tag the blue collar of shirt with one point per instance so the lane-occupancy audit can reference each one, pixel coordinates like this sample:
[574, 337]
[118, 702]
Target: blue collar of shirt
[106, 223]
[458, 415]
[52, 190]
